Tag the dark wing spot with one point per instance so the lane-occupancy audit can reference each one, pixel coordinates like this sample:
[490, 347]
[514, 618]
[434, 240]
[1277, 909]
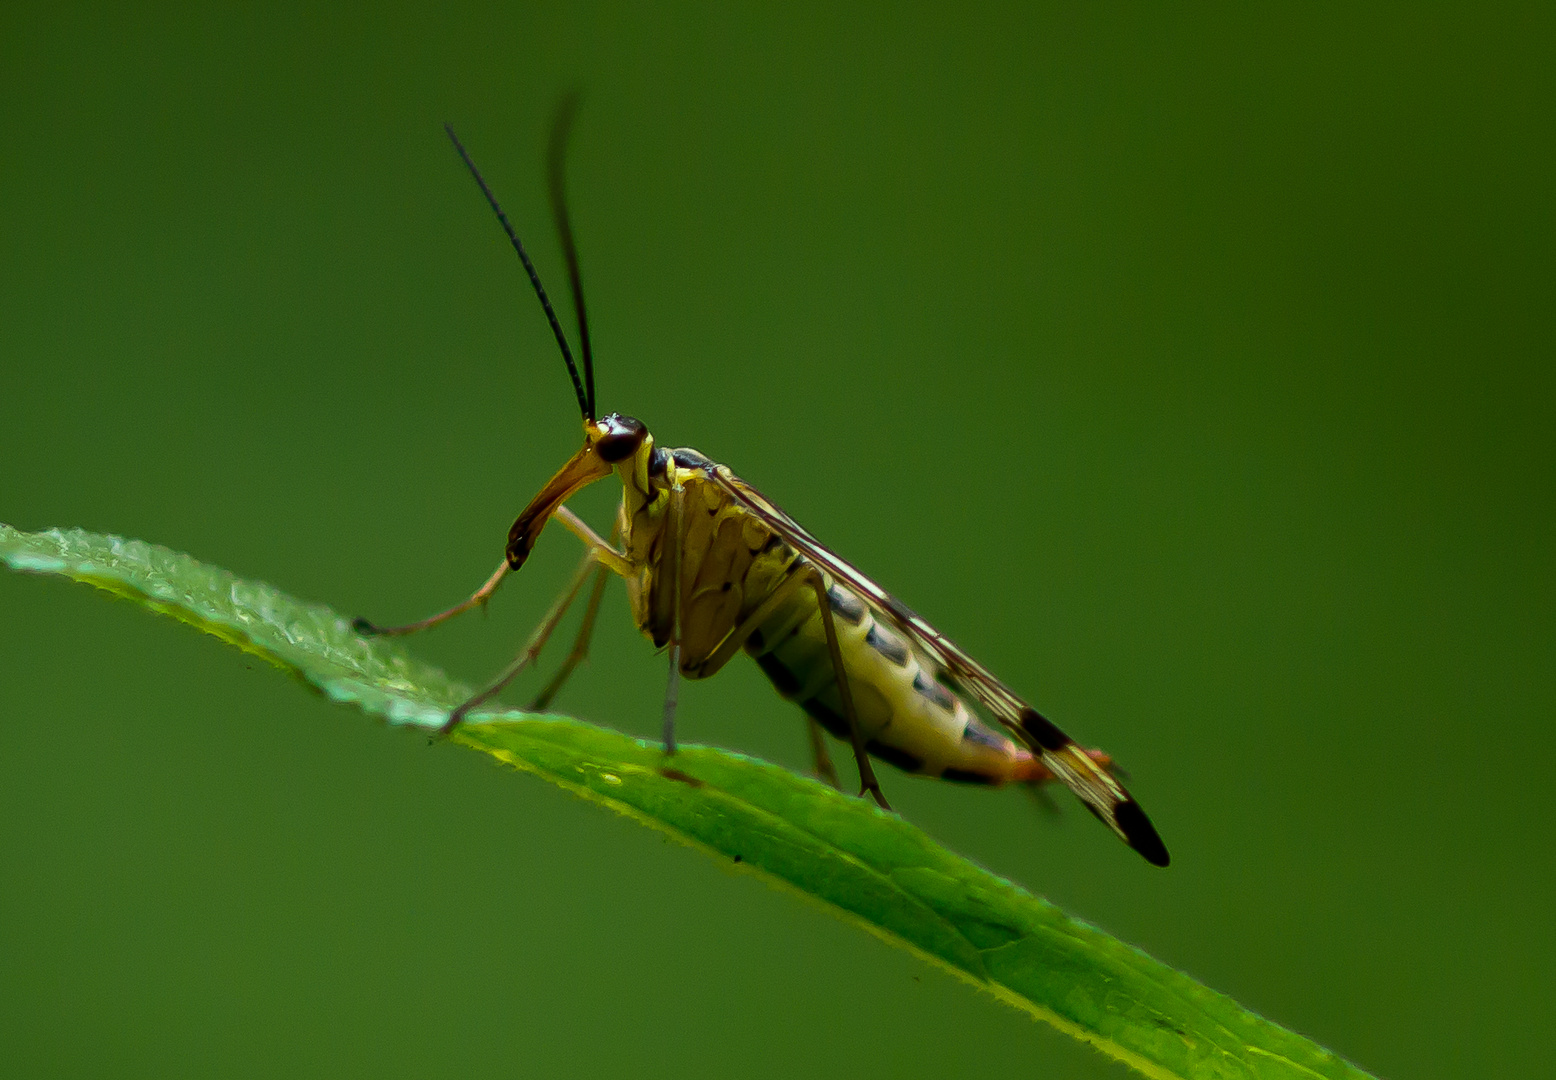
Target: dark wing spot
[934, 692]
[845, 605]
[979, 734]
[967, 776]
[782, 678]
[1141, 834]
[1040, 728]
[889, 647]
[893, 756]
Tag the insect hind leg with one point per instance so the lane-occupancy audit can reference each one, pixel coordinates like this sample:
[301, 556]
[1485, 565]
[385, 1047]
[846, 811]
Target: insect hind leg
[867, 780]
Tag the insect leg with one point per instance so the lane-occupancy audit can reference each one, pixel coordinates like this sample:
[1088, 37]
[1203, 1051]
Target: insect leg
[867, 778]
[818, 749]
[532, 647]
[580, 643]
[477, 599]
[608, 556]
[580, 648]
[673, 571]
[604, 551]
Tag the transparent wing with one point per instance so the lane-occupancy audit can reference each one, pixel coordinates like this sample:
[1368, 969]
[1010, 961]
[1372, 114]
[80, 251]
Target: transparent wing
[1097, 789]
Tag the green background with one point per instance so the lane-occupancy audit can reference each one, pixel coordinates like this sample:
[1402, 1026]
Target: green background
[1192, 370]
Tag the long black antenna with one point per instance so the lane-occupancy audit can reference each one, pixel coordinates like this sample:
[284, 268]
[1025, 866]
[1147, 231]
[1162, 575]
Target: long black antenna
[561, 129]
[585, 401]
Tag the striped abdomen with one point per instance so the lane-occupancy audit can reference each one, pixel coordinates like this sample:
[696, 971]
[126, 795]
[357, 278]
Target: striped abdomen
[730, 562]
[908, 717]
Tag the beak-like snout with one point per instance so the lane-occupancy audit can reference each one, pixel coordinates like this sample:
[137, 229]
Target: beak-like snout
[583, 469]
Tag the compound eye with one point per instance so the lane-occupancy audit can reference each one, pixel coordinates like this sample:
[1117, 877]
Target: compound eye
[621, 439]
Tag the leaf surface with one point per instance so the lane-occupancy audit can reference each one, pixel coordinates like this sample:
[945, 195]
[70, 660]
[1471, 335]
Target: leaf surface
[868, 865]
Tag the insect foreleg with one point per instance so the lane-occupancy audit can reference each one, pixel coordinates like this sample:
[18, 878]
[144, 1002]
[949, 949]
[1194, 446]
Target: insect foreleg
[867, 780]
[604, 551]
[608, 556]
[532, 647]
[477, 599]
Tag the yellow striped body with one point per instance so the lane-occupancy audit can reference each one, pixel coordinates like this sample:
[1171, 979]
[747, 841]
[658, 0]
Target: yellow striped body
[730, 562]
[712, 566]
[907, 716]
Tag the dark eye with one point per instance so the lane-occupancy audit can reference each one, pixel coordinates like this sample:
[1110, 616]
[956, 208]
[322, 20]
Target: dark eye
[623, 435]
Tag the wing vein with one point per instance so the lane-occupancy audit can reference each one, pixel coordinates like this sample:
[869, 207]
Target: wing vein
[1097, 789]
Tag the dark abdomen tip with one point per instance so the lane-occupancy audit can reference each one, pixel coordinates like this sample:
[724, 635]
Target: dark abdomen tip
[1140, 833]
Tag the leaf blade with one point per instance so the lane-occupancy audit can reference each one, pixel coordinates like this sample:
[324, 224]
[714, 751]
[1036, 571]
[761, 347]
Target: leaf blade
[869, 866]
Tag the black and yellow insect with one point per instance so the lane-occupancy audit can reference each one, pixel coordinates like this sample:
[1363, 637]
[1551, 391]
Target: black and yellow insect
[712, 568]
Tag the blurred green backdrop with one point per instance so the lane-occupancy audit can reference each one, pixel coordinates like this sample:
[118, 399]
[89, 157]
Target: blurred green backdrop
[1193, 369]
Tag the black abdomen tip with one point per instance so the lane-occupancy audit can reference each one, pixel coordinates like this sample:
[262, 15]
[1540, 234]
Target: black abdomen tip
[362, 626]
[1140, 833]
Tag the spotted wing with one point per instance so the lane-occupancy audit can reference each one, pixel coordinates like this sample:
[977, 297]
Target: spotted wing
[1097, 789]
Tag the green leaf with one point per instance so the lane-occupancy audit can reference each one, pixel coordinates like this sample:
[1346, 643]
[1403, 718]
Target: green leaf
[868, 865]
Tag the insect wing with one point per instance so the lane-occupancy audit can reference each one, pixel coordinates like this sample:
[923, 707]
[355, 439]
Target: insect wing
[1097, 789]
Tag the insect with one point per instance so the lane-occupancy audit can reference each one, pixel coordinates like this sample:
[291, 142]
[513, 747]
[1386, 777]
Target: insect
[712, 568]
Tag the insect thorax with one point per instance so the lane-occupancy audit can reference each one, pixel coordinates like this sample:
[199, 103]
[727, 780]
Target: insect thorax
[728, 561]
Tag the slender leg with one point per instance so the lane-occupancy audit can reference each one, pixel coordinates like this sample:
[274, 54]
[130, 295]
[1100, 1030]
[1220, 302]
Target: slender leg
[608, 555]
[867, 778]
[580, 648]
[477, 599]
[818, 749]
[673, 689]
[672, 697]
[532, 647]
[604, 551]
[580, 643]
